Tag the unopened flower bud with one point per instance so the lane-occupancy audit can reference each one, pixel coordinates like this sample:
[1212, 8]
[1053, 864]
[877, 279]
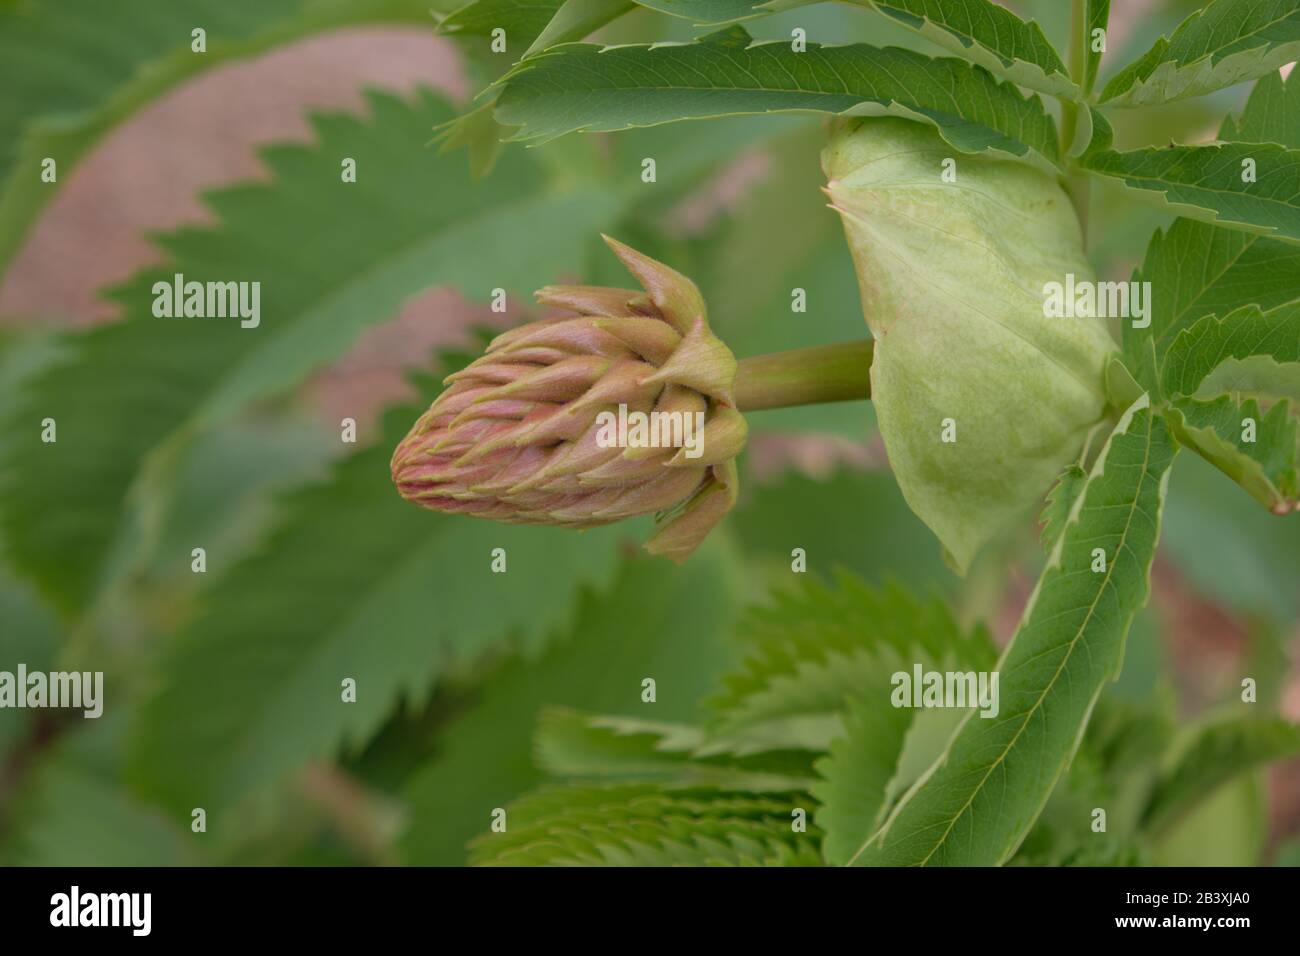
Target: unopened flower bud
[625, 409]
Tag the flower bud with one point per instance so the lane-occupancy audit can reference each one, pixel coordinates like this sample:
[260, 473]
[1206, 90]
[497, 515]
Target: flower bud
[980, 397]
[625, 409]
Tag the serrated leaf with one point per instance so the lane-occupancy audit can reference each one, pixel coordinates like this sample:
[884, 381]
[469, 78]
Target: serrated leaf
[523, 20]
[1228, 42]
[1271, 114]
[131, 393]
[1210, 755]
[977, 802]
[813, 648]
[576, 19]
[657, 621]
[881, 752]
[479, 133]
[1206, 183]
[1197, 270]
[1204, 349]
[1262, 460]
[76, 69]
[1122, 385]
[353, 583]
[1257, 376]
[988, 35]
[819, 677]
[574, 744]
[587, 87]
[1060, 503]
[720, 11]
[645, 826]
[856, 775]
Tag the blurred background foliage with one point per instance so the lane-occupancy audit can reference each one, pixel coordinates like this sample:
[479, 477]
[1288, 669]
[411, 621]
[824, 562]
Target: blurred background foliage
[223, 687]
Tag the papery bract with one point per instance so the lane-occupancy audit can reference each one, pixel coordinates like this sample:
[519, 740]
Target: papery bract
[952, 275]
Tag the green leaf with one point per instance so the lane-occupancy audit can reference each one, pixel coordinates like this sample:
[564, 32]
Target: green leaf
[1209, 353]
[1097, 18]
[1060, 503]
[576, 19]
[882, 751]
[1122, 386]
[812, 649]
[523, 20]
[1206, 182]
[975, 805]
[573, 744]
[854, 792]
[631, 825]
[587, 87]
[1271, 114]
[657, 621]
[1228, 42]
[989, 35]
[1257, 376]
[1228, 548]
[225, 494]
[1254, 449]
[76, 69]
[481, 135]
[1197, 270]
[131, 393]
[1211, 754]
[1115, 769]
[353, 583]
[819, 677]
[720, 11]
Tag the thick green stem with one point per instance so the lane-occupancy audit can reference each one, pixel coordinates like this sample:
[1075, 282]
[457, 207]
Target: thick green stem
[1077, 185]
[824, 373]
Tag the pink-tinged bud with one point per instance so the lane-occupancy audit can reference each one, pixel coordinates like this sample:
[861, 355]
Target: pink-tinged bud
[625, 409]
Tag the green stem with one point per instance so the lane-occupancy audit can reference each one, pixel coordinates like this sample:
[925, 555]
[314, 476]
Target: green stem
[1077, 185]
[824, 373]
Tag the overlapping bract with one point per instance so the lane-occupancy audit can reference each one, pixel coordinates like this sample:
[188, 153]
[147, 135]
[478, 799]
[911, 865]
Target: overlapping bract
[518, 435]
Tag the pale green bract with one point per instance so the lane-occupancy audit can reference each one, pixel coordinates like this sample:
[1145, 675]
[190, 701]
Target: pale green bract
[952, 276]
